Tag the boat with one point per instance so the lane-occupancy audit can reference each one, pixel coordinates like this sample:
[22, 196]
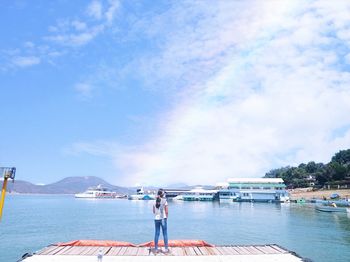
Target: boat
[199, 194]
[331, 209]
[178, 197]
[141, 195]
[340, 202]
[97, 192]
[300, 201]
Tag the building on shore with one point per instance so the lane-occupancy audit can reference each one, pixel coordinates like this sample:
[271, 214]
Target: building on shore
[254, 190]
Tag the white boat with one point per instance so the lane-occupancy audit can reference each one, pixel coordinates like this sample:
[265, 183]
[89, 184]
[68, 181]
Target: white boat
[141, 195]
[199, 194]
[332, 209]
[178, 197]
[97, 192]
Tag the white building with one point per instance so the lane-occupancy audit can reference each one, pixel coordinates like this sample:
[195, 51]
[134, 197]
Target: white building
[254, 190]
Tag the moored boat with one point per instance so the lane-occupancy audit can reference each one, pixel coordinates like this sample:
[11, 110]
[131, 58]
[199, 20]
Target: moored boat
[178, 197]
[331, 209]
[141, 195]
[97, 192]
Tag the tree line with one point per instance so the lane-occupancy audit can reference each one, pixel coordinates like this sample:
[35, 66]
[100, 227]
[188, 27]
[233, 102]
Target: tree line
[337, 171]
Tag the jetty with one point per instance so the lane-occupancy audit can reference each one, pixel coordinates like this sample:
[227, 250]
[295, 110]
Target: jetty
[126, 252]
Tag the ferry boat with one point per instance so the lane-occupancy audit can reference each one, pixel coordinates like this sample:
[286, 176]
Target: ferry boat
[97, 192]
[140, 195]
[254, 190]
[199, 194]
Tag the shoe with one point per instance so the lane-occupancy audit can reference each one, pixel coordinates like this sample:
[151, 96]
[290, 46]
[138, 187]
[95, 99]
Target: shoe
[166, 250]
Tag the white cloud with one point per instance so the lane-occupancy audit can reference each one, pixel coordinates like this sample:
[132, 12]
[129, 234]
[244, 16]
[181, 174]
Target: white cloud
[76, 39]
[25, 61]
[347, 59]
[114, 5]
[84, 90]
[99, 148]
[94, 9]
[76, 32]
[29, 44]
[78, 25]
[261, 85]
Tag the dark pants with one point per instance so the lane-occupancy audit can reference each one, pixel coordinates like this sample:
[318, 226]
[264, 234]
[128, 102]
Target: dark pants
[162, 223]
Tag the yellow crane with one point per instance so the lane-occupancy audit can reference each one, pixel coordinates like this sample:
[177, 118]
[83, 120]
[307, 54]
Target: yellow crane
[9, 173]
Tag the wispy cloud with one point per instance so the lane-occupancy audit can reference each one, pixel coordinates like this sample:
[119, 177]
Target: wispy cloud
[25, 61]
[65, 33]
[77, 32]
[94, 9]
[76, 38]
[84, 90]
[99, 148]
[262, 84]
[112, 10]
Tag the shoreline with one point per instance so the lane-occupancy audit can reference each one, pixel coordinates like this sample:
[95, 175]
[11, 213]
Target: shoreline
[308, 194]
[294, 194]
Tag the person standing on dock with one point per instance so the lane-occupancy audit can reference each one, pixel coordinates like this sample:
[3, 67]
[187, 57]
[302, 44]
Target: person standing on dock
[160, 211]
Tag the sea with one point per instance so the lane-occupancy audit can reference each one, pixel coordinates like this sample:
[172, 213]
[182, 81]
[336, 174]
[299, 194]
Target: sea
[31, 222]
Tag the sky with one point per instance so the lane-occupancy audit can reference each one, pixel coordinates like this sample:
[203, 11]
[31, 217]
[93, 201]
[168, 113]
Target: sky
[163, 92]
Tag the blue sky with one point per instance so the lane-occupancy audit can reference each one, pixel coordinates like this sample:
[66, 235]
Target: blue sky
[160, 92]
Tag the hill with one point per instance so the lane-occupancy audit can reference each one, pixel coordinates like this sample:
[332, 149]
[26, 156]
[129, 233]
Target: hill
[335, 174]
[69, 185]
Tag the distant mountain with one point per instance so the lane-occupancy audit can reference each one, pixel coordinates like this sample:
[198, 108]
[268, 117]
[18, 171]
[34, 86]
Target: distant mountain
[178, 185]
[187, 187]
[69, 185]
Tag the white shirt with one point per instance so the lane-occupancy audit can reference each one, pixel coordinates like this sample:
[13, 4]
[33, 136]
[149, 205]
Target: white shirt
[159, 213]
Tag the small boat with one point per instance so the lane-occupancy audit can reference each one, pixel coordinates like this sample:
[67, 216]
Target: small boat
[141, 195]
[178, 197]
[331, 209]
[97, 192]
[301, 201]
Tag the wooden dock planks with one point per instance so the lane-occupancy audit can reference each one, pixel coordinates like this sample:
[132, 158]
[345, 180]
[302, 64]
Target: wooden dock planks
[113, 251]
[174, 251]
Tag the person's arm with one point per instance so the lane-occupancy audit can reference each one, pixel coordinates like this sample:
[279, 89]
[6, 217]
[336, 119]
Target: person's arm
[166, 210]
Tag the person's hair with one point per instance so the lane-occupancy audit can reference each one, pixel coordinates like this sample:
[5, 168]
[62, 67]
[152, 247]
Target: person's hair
[158, 202]
[160, 192]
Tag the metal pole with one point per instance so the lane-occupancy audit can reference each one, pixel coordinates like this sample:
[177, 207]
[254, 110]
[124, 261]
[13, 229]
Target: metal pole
[3, 192]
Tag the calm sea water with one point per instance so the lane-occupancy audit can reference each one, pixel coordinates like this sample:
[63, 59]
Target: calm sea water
[32, 222]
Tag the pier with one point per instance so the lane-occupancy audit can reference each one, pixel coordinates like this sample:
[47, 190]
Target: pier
[234, 253]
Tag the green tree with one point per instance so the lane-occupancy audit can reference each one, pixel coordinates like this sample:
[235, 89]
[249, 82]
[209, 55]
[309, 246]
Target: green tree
[322, 177]
[342, 157]
[336, 170]
[311, 167]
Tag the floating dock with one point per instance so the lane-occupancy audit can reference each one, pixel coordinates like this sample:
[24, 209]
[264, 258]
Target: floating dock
[234, 253]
